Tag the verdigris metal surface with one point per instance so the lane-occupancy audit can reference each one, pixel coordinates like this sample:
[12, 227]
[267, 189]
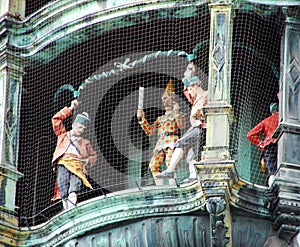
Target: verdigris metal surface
[154, 216]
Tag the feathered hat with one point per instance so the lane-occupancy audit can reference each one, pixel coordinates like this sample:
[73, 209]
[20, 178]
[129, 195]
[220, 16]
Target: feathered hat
[190, 81]
[273, 107]
[82, 118]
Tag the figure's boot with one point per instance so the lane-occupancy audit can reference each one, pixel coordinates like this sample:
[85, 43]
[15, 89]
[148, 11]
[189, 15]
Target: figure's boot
[176, 156]
[193, 174]
[156, 180]
[72, 200]
[271, 180]
[56, 195]
[65, 203]
[190, 159]
[172, 181]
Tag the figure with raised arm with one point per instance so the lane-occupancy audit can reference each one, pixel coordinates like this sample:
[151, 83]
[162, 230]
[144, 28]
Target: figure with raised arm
[196, 94]
[167, 127]
[73, 154]
[268, 145]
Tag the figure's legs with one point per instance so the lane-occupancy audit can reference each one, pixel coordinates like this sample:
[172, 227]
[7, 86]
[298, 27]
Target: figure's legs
[170, 172]
[63, 179]
[191, 161]
[271, 180]
[155, 166]
[169, 154]
[194, 154]
[270, 158]
[72, 200]
[56, 195]
[75, 185]
[156, 180]
[176, 157]
[201, 142]
[191, 135]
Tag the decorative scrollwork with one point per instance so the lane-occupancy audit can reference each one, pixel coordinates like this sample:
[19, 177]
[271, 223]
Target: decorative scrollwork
[219, 239]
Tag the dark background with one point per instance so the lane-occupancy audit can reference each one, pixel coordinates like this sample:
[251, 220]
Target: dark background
[37, 141]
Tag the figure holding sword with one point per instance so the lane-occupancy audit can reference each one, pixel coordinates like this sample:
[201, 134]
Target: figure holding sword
[167, 127]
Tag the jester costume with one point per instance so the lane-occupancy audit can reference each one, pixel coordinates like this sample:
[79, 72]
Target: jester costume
[168, 127]
[197, 130]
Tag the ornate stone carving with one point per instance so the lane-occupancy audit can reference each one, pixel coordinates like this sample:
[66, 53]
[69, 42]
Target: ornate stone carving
[219, 239]
[293, 76]
[219, 61]
[218, 53]
[215, 205]
[11, 124]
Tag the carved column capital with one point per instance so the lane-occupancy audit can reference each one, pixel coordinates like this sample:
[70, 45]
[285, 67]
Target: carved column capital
[215, 205]
[11, 74]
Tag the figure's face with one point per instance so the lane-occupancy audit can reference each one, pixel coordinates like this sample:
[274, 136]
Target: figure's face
[192, 91]
[78, 129]
[168, 101]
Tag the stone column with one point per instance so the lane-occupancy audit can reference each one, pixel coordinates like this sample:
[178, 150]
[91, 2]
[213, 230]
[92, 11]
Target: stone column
[11, 73]
[13, 8]
[285, 203]
[219, 108]
[216, 171]
[10, 95]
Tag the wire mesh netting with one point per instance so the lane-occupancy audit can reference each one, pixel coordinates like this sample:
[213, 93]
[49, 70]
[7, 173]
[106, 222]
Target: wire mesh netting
[108, 71]
[255, 83]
